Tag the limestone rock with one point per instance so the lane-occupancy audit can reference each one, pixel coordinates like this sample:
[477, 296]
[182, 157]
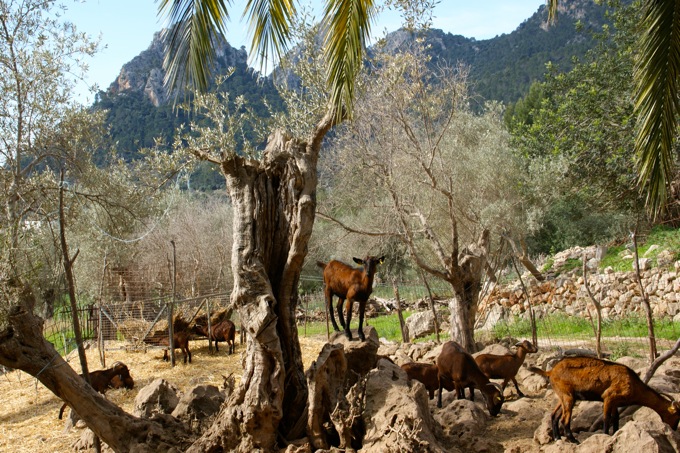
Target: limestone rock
[159, 397]
[198, 405]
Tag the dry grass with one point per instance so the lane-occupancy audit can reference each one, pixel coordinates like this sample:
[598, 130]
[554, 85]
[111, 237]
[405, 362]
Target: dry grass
[28, 413]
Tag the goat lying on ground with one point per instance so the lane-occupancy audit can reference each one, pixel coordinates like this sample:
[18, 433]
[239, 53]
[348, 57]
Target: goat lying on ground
[590, 379]
[349, 284]
[427, 373]
[455, 364]
[505, 366]
[116, 377]
[221, 329]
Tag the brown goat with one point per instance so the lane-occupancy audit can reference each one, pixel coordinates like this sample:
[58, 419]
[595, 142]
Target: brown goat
[349, 284]
[505, 366]
[221, 329]
[116, 377]
[455, 364]
[591, 379]
[181, 334]
[428, 374]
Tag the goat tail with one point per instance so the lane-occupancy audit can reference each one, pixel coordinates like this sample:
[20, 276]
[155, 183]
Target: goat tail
[61, 411]
[321, 264]
[545, 374]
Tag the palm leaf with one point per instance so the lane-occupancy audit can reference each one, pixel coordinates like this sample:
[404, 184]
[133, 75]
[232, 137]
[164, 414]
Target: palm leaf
[348, 28]
[656, 103]
[195, 25]
[269, 26]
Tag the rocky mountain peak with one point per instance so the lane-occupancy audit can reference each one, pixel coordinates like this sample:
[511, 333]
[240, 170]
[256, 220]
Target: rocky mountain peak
[145, 73]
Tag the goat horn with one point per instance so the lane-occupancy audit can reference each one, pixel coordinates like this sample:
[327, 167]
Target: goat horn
[498, 386]
[669, 397]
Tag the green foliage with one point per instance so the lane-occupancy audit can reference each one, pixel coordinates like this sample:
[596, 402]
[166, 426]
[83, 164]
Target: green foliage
[387, 326]
[580, 126]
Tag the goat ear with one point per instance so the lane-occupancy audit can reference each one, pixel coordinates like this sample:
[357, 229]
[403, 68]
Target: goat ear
[358, 261]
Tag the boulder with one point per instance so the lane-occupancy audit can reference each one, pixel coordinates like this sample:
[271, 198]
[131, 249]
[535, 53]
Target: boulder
[466, 421]
[159, 397]
[361, 355]
[396, 415]
[420, 324]
[198, 405]
[325, 380]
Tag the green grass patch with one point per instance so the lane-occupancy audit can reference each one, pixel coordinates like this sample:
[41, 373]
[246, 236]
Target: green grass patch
[387, 326]
[561, 326]
[666, 238]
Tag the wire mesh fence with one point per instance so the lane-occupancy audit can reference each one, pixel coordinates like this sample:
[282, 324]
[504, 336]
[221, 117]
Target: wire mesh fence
[135, 306]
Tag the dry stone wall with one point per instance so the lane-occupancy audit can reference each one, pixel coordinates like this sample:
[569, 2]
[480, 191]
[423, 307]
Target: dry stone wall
[618, 292]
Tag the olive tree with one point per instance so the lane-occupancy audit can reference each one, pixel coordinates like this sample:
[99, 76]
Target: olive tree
[418, 166]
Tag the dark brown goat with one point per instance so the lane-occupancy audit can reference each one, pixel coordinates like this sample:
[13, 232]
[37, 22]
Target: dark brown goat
[427, 373]
[116, 377]
[349, 284]
[455, 364]
[222, 329]
[590, 379]
[181, 334]
[505, 366]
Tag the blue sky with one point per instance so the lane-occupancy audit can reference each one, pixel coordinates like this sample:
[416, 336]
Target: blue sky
[126, 27]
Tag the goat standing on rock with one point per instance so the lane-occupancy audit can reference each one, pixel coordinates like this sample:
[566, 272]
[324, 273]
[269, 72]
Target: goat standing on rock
[590, 379]
[505, 366]
[352, 284]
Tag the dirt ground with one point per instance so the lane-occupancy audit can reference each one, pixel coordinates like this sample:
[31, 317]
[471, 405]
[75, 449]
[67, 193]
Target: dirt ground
[28, 415]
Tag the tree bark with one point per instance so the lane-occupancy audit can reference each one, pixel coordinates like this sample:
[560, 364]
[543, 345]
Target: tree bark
[274, 203]
[466, 281]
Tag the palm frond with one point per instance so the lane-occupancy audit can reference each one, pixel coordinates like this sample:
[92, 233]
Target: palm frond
[656, 103]
[348, 25]
[269, 26]
[195, 25]
[552, 10]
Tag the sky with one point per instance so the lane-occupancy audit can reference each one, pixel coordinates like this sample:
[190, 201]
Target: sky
[126, 28]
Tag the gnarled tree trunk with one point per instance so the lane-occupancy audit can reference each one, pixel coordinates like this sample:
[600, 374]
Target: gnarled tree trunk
[466, 281]
[274, 203]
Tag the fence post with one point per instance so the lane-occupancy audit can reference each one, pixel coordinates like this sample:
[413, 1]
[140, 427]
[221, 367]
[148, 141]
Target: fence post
[210, 347]
[402, 324]
[100, 320]
[171, 343]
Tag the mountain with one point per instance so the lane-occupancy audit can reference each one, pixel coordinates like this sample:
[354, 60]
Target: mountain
[140, 108]
[501, 68]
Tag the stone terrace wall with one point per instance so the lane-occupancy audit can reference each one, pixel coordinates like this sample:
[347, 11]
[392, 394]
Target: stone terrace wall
[618, 292]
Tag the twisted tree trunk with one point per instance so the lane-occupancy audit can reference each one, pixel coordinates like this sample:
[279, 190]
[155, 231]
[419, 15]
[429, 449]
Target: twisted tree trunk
[274, 201]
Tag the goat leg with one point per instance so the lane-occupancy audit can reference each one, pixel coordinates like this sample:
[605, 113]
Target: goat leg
[555, 421]
[329, 309]
[341, 315]
[514, 381]
[566, 422]
[362, 309]
[348, 332]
